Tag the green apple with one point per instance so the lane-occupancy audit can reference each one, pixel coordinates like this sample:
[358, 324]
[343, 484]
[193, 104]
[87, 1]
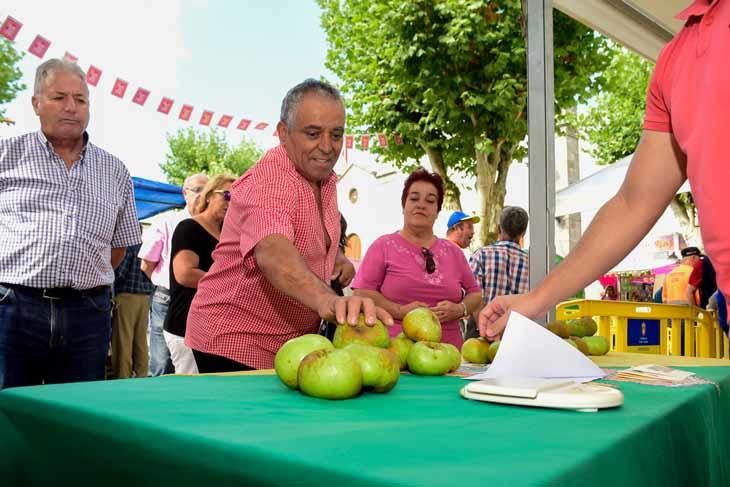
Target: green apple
[581, 344]
[455, 356]
[493, 349]
[589, 325]
[376, 335]
[476, 351]
[380, 367]
[422, 325]
[582, 327]
[560, 328]
[400, 346]
[330, 374]
[289, 356]
[429, 358]
[597, 345]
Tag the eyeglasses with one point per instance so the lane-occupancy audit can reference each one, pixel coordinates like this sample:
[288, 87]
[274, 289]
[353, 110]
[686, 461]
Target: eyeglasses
[226, 194]
[430, 263]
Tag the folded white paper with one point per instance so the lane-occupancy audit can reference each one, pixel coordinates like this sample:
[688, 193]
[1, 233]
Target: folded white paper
[531, 350]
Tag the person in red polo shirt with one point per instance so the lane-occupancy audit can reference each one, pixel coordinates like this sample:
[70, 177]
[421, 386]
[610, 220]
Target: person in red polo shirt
[686, 136]
[278, 249]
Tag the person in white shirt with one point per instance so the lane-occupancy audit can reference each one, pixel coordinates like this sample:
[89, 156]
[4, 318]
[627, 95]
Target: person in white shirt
[155, 256]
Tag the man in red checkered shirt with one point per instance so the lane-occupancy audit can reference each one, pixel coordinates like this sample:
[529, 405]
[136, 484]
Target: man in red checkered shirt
[279, 245]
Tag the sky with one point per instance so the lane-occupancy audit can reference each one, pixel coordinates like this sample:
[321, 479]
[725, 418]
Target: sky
[230, 57]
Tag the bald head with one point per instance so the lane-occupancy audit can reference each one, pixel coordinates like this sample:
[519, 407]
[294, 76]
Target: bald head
[192, 187]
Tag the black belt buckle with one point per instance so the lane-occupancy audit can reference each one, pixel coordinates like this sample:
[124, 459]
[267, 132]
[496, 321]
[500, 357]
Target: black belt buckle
[56, 292]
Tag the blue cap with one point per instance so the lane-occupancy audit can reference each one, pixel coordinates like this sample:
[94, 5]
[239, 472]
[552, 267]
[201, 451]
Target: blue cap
[460, 216]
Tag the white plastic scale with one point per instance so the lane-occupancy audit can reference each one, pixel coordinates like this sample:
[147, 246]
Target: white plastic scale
[545, 393]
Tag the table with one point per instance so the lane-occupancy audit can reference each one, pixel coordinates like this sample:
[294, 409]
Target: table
[249, 429]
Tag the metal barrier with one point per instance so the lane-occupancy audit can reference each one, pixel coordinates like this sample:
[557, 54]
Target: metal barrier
[668, 329]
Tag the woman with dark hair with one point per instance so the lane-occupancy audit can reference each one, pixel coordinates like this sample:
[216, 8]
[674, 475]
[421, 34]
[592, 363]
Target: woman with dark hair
[413, 268]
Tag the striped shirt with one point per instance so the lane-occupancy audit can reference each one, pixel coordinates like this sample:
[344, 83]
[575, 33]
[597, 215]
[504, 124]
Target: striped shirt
[157, 242]
[236, 312]
[500, 268]
[58, 225]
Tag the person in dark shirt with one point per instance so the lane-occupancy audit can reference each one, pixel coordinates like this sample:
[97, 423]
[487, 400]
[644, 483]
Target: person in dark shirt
[191, 256]
[130, 318]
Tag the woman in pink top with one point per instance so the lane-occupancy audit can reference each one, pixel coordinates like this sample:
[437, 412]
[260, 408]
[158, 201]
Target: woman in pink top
[413, 267]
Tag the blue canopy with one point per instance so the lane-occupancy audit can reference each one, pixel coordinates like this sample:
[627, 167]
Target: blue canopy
[153, 197]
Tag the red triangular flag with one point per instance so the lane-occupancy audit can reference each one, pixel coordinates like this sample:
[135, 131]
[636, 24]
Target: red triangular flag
[39, 46]
[206, 117]
[140, 97]
[10, 28]
[349, 141]
[92, 75]
[70, 57]
[398, 139]
[261, 125]
[165, 105]
[185, 112]
[243, 124]
[364, 141]
[120, 87]
[225, 121]
[382, 140]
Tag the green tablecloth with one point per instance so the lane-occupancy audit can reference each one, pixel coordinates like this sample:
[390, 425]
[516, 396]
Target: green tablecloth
[215, 430]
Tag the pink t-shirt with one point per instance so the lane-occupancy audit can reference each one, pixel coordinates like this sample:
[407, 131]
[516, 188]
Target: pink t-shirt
[689, 96]
[396, 268]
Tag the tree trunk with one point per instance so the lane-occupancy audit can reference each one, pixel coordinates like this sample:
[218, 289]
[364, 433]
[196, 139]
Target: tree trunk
[492, 171]
[573, 162]
[684, 210]
[452, 193]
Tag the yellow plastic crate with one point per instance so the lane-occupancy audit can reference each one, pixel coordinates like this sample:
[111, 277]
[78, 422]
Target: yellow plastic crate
[652, 328]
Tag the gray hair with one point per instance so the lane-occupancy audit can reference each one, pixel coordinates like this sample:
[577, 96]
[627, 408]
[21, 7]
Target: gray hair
[52, 66]
[294, 96]
[513, 221]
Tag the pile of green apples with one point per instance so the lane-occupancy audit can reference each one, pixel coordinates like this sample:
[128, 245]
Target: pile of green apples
[581, 334]
[364, 358]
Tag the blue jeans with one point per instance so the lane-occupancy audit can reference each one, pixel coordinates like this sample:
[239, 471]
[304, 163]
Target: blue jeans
[160, 362]
[50, 341]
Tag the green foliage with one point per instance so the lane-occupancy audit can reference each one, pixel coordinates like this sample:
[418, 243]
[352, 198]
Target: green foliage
[10, 74]
[191, 152]
[450, 77]
[613, 122]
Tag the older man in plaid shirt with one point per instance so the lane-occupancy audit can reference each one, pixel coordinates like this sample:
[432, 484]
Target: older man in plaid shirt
[66, 217]
[501, 268]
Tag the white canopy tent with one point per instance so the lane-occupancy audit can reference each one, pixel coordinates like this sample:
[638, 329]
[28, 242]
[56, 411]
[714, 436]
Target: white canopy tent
[590, 193]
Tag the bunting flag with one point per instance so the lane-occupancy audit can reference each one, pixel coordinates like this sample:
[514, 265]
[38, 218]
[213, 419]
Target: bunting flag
[140, 97]
[206, 117]
[10, 28]
[39, 46]
[93, 74]
[165, 105]
[185, 112]
[120, 87]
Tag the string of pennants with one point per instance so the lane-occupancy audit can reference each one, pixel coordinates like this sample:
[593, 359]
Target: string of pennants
[40, 45]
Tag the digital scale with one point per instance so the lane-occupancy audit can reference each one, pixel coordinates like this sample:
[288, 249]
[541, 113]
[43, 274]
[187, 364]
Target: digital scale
[544, 393]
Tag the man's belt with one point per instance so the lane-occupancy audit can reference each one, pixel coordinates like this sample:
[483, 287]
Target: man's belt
[58, 292]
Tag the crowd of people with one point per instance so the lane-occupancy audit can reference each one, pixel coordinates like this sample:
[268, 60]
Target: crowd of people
[250, 263]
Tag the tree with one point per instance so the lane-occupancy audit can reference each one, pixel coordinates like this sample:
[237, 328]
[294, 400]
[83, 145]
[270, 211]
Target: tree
[9, 74]
[613, 123]
[449, 77]
[191, 152]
